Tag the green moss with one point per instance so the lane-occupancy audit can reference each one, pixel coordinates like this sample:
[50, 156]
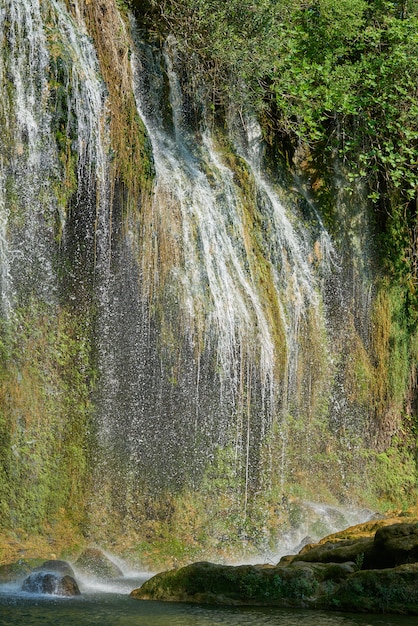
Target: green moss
[392, 350]
[132, 165]
[246, 584]
[391, 591]
[46, 412]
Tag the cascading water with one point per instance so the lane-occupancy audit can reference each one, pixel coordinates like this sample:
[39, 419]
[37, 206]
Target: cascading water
[54, 244]
[28, 156]
[4, 253]
[205, 332]
[52, 87]
[185, 341]
[215, 282]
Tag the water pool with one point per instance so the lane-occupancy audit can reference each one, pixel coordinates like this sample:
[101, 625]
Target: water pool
[116, 608]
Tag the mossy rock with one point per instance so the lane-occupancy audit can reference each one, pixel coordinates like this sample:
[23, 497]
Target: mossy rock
[93, 562]
[337, 573]
[301, 584]
[229, 585]
[394, 545]
[327, 571]
[392, 590]
[10, 572]
[370, 528]
[391, 545]
[336, 551]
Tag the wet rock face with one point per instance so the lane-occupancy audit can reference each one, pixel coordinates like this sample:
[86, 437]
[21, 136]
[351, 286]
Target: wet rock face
[51, 583]
[53, 577]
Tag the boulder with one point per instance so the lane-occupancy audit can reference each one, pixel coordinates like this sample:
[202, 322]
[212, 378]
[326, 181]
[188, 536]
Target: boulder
[231, 585]
[328, 586]
[59, 567]
[392, 590]
[393, 545]
[93, 562]
[51, 583]
[18, 569]
[53, 577]
[336, 551]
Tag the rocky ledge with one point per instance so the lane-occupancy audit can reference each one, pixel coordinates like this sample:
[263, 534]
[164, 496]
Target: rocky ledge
[372, 567]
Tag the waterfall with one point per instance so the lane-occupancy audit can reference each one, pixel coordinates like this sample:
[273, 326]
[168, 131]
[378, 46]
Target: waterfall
[4, 252]
[45, 46]
[183, 341]
[54, 250]
[197, 199]
[241, 276]
[28, 155]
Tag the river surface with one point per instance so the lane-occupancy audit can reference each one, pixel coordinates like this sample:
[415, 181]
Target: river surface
[114, 607]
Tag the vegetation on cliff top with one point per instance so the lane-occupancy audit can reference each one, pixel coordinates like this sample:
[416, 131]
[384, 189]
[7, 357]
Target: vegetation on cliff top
[340, 76]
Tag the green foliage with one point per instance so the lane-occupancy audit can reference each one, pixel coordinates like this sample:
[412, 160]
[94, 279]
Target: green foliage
[348, 79]
[230, 42]
[359, 561]
[325, 59]
[392, 355]
[123, 5]
[396, 474]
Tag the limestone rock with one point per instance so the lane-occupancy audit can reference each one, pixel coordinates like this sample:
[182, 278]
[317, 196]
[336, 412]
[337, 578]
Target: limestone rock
[336, 551]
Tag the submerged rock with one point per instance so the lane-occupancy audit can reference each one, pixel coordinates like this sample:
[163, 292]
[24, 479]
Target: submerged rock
[93, 562]
[373, 568]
